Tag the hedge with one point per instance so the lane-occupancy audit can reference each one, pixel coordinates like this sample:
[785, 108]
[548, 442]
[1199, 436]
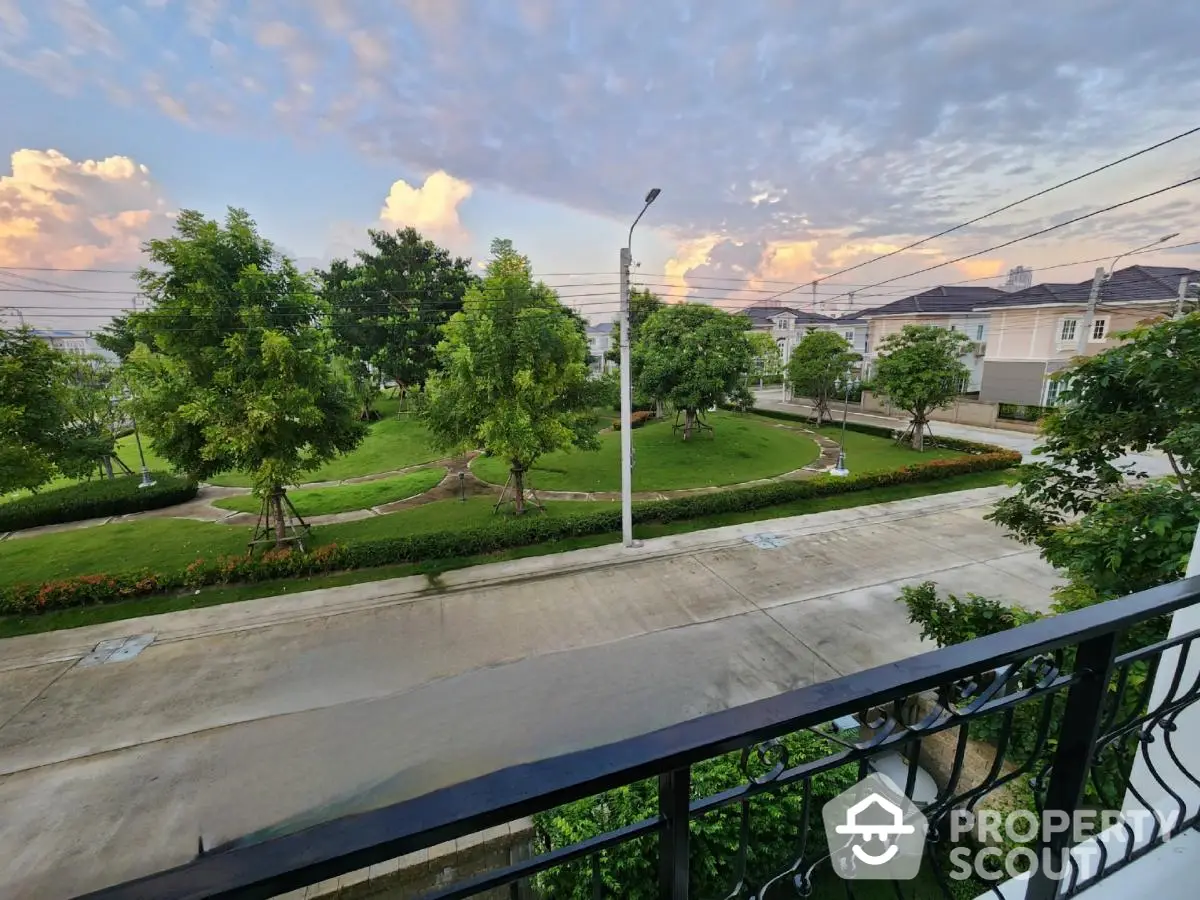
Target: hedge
[97, 499]
[490, 538]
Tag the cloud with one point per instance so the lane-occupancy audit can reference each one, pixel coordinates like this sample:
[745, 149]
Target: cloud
[55, 211]
[431, 208]
[803, 134]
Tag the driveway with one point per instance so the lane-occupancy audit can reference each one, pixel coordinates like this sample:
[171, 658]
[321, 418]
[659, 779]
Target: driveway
[237, 718]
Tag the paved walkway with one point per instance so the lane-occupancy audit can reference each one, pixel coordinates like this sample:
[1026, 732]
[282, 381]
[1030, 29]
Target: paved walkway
[239, 717]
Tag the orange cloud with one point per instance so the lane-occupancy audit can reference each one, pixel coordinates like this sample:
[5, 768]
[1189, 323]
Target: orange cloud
[55, 211]
[431, 208]
[981, 268]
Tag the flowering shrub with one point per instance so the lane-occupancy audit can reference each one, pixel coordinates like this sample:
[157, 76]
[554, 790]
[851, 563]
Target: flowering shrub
[500, 534]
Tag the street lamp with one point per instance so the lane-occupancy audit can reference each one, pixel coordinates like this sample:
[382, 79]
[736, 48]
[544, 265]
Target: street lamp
[840, 469]
[1098, 282]
[20, 315]
[627, 383]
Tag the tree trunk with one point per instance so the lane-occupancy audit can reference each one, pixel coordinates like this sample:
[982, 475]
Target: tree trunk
[277, 515]
[659, 412]
[108, 470]
[821, 407]
[918, 436]
[689, 422]
[518, 474]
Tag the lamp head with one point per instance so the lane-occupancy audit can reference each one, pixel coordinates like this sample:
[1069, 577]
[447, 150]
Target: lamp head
[652, 195]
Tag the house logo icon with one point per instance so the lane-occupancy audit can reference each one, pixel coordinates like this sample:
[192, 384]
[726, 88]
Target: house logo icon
[874, 832]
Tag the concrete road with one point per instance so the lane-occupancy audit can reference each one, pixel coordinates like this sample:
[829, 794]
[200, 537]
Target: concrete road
[1152, 463]
[294, 709]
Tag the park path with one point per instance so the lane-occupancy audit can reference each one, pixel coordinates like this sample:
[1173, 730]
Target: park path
[460, 481]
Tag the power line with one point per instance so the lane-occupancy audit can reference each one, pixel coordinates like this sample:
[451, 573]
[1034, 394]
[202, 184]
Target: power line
[1004, 208]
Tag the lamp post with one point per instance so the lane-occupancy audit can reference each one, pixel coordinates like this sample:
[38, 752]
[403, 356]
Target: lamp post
[1098, 282]
[840, 469]
[20, 315]
[147, 481]
[627, 384]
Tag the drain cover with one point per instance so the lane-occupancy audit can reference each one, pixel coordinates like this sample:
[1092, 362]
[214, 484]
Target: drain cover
[117, 650]
[764, 541]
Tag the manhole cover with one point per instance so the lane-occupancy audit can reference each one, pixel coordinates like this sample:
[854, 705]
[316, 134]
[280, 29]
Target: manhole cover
[117, 650]
[764, 541]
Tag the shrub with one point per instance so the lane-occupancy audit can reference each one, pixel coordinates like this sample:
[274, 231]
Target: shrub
[636, 420]
[95, 500]
[1023, 413]
[946, 442]
[501, 534]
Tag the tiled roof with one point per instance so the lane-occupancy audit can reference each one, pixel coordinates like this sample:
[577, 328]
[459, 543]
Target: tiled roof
[940, 300]
[1129, 284]
[760, 315]
[602, 328]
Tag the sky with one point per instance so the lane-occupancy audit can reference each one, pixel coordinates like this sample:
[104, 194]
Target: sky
[790, 139]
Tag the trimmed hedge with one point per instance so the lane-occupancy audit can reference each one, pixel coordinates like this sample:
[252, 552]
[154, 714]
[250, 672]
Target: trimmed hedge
[95, 500]
[495, 536]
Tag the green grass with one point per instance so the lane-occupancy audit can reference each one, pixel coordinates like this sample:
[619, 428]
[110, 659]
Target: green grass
[743, 448]
[323, 501]
[868, 453]
[126, 539]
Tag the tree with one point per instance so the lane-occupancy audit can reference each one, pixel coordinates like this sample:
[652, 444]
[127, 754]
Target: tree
[238, 376]
[387, 305]
[1109, 535]
[820, 364]
[919, 370]
[92, 398]
[692, 356]
[33, 412]
[642, 305]
[766, 357]
[118, 337]
[512, 377]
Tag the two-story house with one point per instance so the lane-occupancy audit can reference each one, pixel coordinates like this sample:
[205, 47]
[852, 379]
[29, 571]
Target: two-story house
[79, 343]
[952, 307]
[600, 340]
[786, 325]
[1036, 331]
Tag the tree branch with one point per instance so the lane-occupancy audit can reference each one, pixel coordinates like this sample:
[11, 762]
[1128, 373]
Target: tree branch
[1183, 484]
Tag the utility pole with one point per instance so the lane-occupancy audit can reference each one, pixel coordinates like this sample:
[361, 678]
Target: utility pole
[1183, 289]
[626, 407]
[627, 384]
[1089, 317]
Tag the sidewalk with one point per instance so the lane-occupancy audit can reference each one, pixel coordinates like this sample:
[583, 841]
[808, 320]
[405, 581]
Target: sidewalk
[238, 718]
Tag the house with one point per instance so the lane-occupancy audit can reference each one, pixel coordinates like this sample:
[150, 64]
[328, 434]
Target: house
[786, 325]
[1036, 331]
[854, 328]
[600, 341]
[80, 343]
[953, 307]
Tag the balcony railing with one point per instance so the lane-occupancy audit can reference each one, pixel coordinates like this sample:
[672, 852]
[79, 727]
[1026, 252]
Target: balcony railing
[1057, 712]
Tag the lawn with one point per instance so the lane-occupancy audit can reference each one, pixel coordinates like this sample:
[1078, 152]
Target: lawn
[52, 556]
[868, 453]
[165, 544]
[742, 448]
[345, 497]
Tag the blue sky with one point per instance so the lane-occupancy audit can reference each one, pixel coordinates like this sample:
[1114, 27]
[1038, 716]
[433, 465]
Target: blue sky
[790, 140]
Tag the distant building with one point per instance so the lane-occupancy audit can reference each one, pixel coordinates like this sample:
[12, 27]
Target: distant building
[599, 338]
[80, 343]
[1018, 279]
[786, 325]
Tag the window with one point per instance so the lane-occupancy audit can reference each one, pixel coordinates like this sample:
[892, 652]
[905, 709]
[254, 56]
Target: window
[849, 336]
[1066, 333]
[979, 332]
[1053, 389]
[1098, 329]
[954, 328]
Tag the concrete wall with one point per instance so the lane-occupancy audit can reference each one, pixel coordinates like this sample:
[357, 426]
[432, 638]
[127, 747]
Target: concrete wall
[963, 412]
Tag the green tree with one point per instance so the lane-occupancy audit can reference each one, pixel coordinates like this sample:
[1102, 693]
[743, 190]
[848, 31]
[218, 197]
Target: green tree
[118, 337]
[1109, 535]
[920, 370]
[765, 357]
[239, 377]
[387, 305]
[92, 396]
[820, 364]
[512, 377]
[642, 305]
[33, 410]
[692, 356]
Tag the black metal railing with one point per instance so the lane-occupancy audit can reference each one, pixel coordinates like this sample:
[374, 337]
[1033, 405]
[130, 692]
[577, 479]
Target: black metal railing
[1051, 716]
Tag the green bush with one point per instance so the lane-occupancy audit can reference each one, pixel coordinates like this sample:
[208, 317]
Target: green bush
[1023, 413]
[95, 500]
[630, 870]
[498, 535]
